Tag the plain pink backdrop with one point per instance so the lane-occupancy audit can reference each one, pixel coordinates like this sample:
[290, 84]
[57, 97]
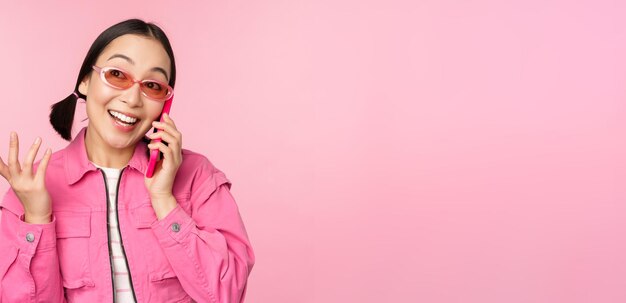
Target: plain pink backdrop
[383, 151]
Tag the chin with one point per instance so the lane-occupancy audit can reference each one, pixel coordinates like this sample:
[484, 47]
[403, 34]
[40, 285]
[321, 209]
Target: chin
[118, 140]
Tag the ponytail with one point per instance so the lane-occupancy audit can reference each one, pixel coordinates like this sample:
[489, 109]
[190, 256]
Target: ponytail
[62, 115]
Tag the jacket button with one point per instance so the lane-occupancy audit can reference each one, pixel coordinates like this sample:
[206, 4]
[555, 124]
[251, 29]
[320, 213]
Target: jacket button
[30, 237]
[175, 227]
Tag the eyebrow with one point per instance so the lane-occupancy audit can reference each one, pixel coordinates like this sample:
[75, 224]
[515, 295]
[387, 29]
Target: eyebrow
[154, 69]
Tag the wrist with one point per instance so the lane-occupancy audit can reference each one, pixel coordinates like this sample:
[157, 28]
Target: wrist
[37, 219]
[163, 205]
[161, 195]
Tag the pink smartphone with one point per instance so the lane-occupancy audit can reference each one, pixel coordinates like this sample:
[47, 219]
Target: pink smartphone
[154, 154]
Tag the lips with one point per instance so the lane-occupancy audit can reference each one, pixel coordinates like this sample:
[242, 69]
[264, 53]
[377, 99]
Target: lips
[123, 126]
[123, 113]
[123, 117]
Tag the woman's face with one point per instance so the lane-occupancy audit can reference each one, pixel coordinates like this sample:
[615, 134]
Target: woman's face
[142, 57]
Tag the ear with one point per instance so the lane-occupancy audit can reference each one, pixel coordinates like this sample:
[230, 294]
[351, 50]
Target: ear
[83, 87]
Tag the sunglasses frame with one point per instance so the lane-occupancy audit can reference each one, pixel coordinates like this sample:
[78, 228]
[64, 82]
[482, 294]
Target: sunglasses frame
[102, 71]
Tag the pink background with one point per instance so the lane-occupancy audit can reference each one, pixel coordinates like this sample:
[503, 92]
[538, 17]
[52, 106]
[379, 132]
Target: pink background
[383, 151]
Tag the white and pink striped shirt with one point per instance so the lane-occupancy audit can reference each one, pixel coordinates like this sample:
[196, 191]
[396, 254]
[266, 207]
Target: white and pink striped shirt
[121, 278]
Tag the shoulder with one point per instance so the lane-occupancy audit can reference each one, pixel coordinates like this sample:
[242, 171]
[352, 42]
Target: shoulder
[200, 169]
[197, 162]
[57, 158]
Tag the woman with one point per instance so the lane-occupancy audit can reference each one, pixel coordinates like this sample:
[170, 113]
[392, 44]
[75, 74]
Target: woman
[86, 225]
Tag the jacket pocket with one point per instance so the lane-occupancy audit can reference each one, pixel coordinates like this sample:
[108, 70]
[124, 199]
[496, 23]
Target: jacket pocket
[143, 216]
[73, 230]
[166, 286]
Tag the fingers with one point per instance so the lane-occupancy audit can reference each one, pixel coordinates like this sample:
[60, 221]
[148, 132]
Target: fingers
[30, 157]
[43, 165]
[168, 126]
[13, 167]
[14, 164]
[168, 133]
[168, 119]
[4, 170]
[167, 152]
[171, 141]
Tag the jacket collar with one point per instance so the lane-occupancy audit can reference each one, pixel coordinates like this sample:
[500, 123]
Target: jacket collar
[77, 163]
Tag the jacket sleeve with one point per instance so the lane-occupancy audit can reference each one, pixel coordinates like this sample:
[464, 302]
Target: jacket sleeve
[208, 249]
[29, 265]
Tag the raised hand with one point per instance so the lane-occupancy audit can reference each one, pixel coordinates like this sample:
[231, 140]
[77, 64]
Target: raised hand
[161, 184]
[30, 188]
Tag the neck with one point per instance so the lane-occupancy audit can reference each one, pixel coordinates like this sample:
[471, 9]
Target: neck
[102, 154]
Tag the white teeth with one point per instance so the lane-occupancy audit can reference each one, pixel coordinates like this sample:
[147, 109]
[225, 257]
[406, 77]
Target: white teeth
[123, 117]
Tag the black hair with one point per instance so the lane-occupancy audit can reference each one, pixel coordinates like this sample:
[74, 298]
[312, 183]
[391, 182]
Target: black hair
[62, 112]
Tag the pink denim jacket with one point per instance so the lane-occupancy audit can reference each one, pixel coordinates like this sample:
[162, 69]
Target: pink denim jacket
[198, 252]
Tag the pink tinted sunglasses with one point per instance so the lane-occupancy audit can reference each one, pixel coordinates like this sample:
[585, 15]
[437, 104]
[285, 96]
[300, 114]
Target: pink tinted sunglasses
[121, 79]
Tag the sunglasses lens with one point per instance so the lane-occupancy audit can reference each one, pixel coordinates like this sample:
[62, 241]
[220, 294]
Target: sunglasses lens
[117, 78]
[120, 80]
[155, 90]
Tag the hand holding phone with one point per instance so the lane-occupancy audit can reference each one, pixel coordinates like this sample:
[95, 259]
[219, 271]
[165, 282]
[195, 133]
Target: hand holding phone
[154, 154]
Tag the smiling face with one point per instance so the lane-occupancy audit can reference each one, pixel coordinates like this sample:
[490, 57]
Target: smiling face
[109, 109]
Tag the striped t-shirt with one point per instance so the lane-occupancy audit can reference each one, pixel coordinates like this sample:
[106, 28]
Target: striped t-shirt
[121, 281]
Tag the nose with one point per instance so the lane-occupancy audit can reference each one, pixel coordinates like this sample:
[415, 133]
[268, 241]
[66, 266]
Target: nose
[132, 95]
